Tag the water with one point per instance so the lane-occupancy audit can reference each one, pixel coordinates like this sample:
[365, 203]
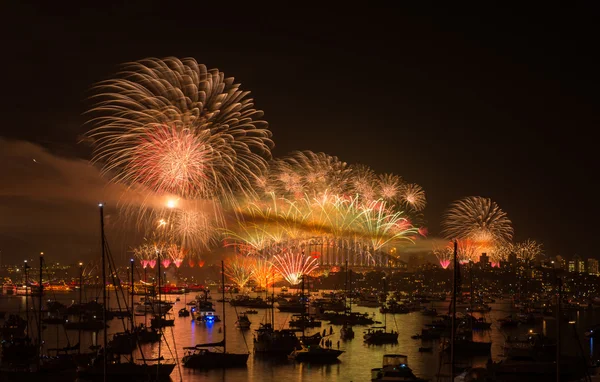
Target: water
[355, 364]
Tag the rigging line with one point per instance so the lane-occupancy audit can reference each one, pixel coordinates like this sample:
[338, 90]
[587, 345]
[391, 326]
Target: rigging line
[176, 356]
[116, 283]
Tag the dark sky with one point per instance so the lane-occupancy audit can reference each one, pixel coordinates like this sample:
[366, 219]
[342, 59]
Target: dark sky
[499, 103]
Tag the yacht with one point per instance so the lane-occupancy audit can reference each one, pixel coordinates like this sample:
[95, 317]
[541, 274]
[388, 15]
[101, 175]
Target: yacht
[270, 341]
[243, 322]
[379, 336]
[394, 368]
[315, 354]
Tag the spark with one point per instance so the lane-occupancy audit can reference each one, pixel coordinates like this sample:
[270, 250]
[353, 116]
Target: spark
[293, 265]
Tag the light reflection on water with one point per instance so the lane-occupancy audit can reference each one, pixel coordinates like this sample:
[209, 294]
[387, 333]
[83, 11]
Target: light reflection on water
[355, 364]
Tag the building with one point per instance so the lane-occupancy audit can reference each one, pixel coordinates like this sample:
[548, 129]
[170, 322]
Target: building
[579, 265]
[571, 266]
[484, 260]
[592, 266]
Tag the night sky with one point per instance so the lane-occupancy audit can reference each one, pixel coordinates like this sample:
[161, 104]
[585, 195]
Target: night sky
[500, 103]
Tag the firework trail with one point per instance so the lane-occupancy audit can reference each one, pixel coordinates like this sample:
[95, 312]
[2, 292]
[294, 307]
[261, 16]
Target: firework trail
[381, 227]
[264, 273]
[293, 265]
[239, 270]
[175, 127]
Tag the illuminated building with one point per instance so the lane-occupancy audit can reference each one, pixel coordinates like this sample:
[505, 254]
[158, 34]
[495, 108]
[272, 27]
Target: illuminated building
[592, 265]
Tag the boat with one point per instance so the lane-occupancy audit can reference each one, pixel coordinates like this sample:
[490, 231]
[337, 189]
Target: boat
[161, 322]
[304, 321]
[393, 307]
[346, 333]
[310, 351]
[351, 318]
[203, 356]
[153, 307]
[243, 322]
[208, 318]
[291, 306]
[247, 301]
[429, 312]
[146, 334]
[183, 312]
[379, 335]
[277, 342]
[369, 302]
[315, 354]
[394, 368]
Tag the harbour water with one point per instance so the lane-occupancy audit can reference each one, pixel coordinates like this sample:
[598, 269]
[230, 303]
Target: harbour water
[355, 363]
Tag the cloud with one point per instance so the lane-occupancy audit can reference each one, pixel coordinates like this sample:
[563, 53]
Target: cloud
[49, 203]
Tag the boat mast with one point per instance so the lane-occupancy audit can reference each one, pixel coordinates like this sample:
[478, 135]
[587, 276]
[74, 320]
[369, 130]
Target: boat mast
[272, 299]
[41, 292]
[558, 301]
[104, 307]
[26, 299]
[223, 297]
[303, 306]
[384, 314]
[80, 293]
[159, 304]
[346, 290]
[453, 302]
[132, 315]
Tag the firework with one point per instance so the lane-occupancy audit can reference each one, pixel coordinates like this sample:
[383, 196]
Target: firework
[239, 270]
[444, 255]
[293, 265]
[146, 254]
[173, 126]
[381, 227]
[480, 221]
[176, 254]
[263, 273]
[413, 196]
[390, 187]
[527, 250]
[364, 182]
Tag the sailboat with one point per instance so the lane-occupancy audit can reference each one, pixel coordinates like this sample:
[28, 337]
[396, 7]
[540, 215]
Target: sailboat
[378, 335]
[463, 337]
[269, 341]
[346, 332]
[107, 364]
[202, 357]
[314, 353]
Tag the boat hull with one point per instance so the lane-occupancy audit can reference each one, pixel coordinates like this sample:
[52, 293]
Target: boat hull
[211, 360]
[129, 371]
